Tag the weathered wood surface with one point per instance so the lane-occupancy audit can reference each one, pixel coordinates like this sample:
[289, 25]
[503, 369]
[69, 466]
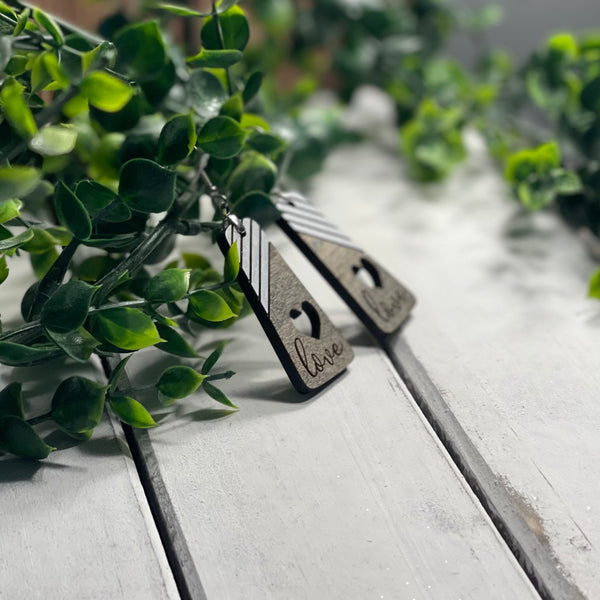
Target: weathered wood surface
[508, 343]
[346, 495]
[76, 525]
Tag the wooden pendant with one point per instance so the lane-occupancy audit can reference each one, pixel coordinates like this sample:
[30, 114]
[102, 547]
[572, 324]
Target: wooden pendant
[312, 357]
[379, 300]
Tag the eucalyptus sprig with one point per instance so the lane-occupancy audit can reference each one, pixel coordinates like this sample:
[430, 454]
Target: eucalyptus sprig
[106, 148]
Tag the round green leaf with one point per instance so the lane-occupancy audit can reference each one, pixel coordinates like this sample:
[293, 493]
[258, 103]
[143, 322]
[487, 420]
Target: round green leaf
[178, 382]
[54, 140]
[169, 285]
[257, 206]
[18, 437]
[255, 173]
[71, 212]
[234, 27]
[209, 306]
[9, 209]
[16, 181]
[94, 196]
[207, 94]
[106, 92]
[77, 405]
[221, 137]
[141, 50]
[177, 139]
[11, 401]
[17, 112]
[145, 186]
[130, 411]
[127, 328]
[67, 309]
[78, 344]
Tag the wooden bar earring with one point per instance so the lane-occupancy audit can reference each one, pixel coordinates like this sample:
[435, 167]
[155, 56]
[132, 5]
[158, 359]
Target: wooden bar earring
[312, 357]
[379, 300]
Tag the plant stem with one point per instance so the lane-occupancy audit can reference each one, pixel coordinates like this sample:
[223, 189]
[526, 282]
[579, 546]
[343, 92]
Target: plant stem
[222, 43]
[40, 419]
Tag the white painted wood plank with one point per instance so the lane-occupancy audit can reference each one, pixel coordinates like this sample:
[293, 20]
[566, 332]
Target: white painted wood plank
[347, 495]
[76, 525]
[502, 326]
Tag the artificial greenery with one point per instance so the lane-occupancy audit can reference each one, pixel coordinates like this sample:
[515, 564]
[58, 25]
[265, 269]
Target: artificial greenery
[108, 144]
[541, 120]
[106, 148]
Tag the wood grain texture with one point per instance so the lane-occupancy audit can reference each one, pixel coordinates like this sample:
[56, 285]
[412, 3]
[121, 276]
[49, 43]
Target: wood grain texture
[347, 495]
[76, 525]
[504, 330]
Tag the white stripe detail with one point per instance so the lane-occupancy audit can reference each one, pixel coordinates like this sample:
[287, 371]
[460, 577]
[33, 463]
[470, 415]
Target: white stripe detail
[327, 237]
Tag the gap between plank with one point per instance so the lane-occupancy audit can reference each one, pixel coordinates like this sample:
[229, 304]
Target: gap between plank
[175, 546]
[533, 557]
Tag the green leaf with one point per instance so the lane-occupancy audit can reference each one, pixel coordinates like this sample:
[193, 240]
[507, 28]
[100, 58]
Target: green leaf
[212, 359]
[206, 93]
[130, 411]
[17, 181]
[106, 92]
[15, 108]
[21, 22]
[71, 212]
[16, 241]
[178, 382]
[232, 263]
[145, 186]
[54, 140]
[94, 196]
[40, 77]
[127, 328]
[169, 285]
[266, 143]
[42, 262]
[209, 306]
[233, 107]
[221, 137]
[18, 437]
[566, 182]
[67, 309]
[174, 343]
[78, 344]
[252, 86]
[115, 376]
[141, 50]
[234, 27]
[9, 209]
[4, 271]
[257, 206]
[11, 401]
[77, 406]
[18, 355]
[216, 394]
[254, 173]
[594, 288]
[183, 11]
[46, 22]
[177, 139]
[215, 59]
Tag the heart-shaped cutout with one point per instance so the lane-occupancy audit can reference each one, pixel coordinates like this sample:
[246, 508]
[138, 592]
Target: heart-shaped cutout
[307, 320]
[367, 274]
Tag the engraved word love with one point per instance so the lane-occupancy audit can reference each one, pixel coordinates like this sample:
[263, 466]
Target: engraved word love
[317, 363]
[386, 309]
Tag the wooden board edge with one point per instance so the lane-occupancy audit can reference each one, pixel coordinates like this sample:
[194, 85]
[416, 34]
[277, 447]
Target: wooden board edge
[534, 557]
